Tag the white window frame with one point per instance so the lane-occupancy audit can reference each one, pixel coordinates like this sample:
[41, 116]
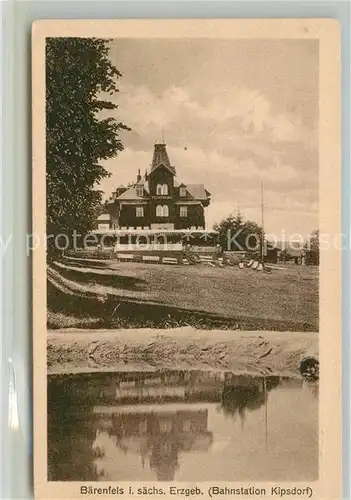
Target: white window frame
[183, 212]
[165, 426]
[139, 190]
[162, 189]
[182, 191]
[186, 425]
[139, 211]
[143, 426]
[162, 211]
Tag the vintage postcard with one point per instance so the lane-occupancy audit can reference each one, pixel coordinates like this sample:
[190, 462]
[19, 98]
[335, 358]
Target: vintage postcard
[187, 259]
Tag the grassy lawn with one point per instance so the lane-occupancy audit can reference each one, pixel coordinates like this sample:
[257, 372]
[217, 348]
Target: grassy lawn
[232, 292]
[284, 296]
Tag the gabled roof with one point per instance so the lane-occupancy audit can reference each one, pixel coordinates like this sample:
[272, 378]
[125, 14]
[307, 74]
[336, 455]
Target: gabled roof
[295, 252]
[104, 217]
[160, 159]
[198, 191]
[131, 194]
[294, 248]
[167, 167]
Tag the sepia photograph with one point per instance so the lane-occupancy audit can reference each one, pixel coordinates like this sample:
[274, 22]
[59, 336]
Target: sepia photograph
[183, 262]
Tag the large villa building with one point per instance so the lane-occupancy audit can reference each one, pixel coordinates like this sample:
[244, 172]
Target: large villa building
[160, 219]
[156, 201]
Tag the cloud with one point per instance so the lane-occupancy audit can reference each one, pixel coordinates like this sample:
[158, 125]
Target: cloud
[235, 111]
[230, 140]
[124, 169]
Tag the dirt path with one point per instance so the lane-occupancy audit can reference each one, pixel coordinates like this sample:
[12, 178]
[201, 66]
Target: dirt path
[261, 352]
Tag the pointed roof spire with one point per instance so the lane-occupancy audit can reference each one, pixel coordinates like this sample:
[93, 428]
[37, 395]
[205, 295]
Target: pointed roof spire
[160, 156]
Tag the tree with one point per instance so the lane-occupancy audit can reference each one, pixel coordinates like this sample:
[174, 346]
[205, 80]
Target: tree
[78, 136]
[238, 234]
[285, 256]
[311, 249]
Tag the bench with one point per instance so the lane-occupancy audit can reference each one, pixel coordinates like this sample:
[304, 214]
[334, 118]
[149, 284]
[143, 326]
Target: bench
[150, 258]
[125, 256]
[169, 260]
[206, 258]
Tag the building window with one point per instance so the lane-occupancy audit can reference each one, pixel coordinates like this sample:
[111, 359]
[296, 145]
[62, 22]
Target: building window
[165, 426]
[139, 211]
[184, 211]
[182, 191]
[162, 189]
[139, 190]
[143, 427]
[186, 426]
[162, 211]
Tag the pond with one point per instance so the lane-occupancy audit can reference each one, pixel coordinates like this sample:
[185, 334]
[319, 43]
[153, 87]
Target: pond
[181, 426]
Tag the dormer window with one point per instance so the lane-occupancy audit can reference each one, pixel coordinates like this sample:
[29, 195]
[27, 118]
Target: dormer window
[162, 189]
[182, 191]
[139, 190]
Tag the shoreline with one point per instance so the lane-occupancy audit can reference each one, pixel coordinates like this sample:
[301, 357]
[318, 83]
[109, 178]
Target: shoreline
[74, 351]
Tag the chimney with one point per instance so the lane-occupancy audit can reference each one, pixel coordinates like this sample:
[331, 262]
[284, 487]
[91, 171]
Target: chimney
[138, 176]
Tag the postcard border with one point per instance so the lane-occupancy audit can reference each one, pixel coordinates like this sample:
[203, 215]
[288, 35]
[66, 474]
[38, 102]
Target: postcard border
[327, 32]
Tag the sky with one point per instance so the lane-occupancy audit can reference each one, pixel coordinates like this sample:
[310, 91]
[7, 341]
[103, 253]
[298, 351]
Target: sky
[233, 113]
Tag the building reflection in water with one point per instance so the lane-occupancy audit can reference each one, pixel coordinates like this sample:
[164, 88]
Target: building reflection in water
[249, 395]
[157, 436]
[134, 411]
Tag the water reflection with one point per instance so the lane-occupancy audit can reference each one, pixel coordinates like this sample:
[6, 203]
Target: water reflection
[158, 436]
[181, 425]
